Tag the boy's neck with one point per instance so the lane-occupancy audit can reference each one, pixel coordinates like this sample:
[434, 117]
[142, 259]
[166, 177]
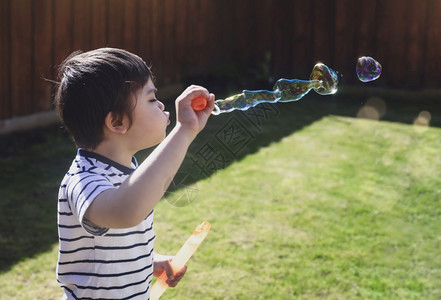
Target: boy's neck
[115, 153]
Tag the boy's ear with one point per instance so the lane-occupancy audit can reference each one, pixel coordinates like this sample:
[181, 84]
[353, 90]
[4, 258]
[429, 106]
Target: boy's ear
[115, 124]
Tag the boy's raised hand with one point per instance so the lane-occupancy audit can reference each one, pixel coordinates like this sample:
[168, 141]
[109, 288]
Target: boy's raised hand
[186, 116]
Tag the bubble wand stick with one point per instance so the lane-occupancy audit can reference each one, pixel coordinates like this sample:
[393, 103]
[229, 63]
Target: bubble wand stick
[181, 258]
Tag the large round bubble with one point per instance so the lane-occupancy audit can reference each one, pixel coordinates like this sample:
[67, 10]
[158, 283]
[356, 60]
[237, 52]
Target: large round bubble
[368, 69]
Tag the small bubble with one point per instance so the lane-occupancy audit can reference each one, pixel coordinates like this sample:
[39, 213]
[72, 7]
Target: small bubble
[368, 69]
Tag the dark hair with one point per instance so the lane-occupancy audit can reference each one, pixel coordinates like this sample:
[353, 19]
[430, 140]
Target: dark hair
[94, 83]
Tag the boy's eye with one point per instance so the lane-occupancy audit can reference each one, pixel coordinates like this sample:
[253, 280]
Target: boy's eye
[153, 100]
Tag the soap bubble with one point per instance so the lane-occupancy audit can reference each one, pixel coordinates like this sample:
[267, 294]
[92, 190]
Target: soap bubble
[368, 69]
[327, 77]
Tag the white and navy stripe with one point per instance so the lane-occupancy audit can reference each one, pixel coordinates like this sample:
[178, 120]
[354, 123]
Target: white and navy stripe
[96, 262]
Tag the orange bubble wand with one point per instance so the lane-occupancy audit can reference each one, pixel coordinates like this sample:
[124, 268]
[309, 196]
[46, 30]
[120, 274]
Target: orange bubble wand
[199, 103]
[181, 258]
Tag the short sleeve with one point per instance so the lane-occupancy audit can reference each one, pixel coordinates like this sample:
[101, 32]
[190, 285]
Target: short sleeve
[82, 190]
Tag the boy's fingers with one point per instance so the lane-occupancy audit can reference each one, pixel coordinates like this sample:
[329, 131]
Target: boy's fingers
[181, 272]
[195, 90]
[211, 102]
[178, 276]
[169, 271]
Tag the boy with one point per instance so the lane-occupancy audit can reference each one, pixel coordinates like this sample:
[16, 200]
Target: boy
[106, 100]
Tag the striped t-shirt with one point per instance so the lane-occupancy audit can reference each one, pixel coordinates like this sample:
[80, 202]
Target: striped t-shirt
[95, 262]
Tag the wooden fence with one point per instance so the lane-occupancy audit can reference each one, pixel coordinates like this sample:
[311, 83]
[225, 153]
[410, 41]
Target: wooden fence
[182, 38]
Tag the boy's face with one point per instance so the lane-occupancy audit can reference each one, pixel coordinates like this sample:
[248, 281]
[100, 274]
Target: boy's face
[149, 120]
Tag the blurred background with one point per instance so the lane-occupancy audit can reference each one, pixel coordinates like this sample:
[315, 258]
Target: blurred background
[248, 41]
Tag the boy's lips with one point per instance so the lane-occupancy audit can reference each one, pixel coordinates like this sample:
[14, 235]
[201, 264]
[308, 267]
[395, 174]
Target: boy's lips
[167, 115]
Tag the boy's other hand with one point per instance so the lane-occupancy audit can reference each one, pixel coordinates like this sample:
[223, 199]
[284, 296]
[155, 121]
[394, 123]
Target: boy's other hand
[186, 115]
[163, 264]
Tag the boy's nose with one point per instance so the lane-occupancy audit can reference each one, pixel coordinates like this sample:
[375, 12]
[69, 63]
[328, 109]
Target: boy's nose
[161, 105]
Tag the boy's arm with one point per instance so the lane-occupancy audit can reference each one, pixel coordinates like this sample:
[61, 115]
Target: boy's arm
[128, 205]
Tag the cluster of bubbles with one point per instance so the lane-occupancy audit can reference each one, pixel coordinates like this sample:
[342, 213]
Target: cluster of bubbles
[323, 80]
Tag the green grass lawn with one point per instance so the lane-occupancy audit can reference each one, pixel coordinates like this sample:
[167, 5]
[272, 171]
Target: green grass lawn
[307, 202]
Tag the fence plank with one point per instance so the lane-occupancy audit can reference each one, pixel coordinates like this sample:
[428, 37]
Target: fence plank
[383, 41]
[346, 16]
[324, 27]
[281, 39]
[261, 34]
[63, 31]
[130, 26]
[21, 52]
[415, 33]
[42, 55]
[157, 38]
[302, 36]
[433, 45]
[82, 25]
[116, 23]
[145, 30]
[224, 35]
[169, 37]
[244, 22]
[366, 29]
[207, 22]
[391, 40]
[99, 24]
[182, 60]
[195, 42]
[5, 65]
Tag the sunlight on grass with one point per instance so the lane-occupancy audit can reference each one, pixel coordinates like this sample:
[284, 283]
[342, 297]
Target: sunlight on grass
[345, 208]
[32, 278]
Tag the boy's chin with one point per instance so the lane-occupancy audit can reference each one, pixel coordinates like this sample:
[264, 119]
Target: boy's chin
[154, 143]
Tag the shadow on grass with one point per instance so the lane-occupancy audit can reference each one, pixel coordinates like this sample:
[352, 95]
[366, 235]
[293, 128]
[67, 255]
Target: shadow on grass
[33, 163]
